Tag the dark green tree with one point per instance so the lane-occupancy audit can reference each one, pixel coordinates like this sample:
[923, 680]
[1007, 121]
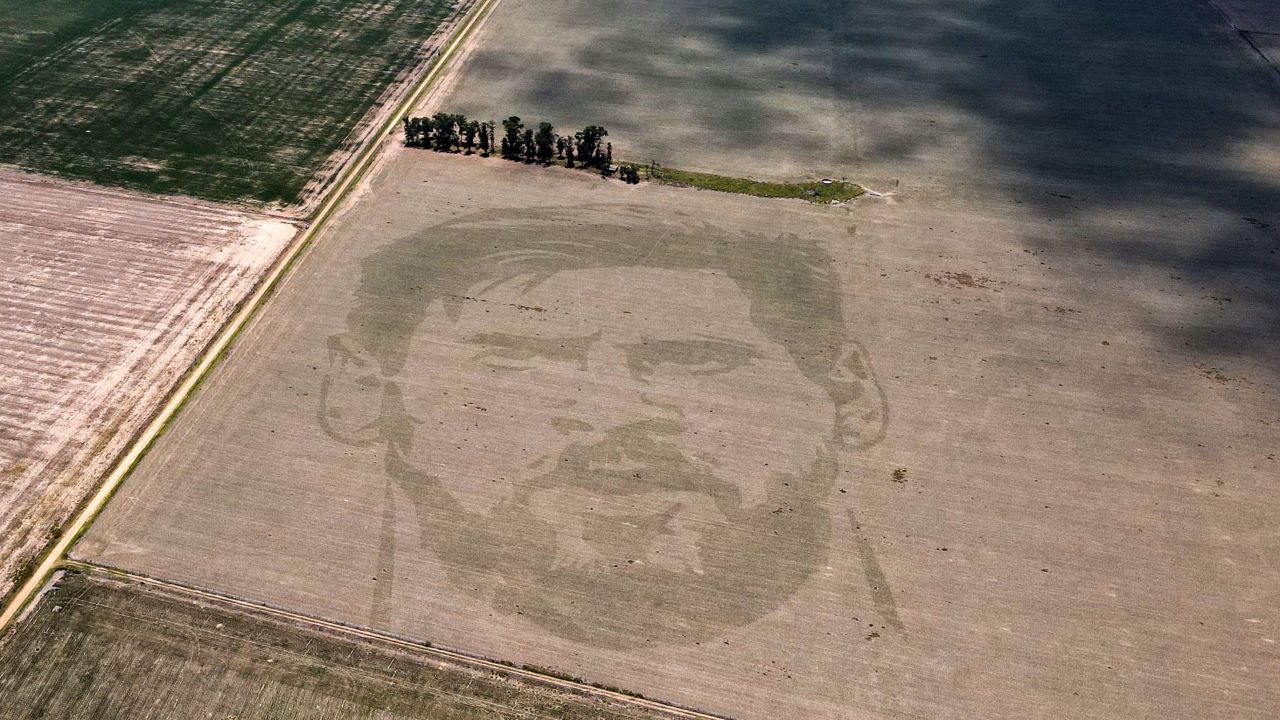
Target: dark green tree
[446, 131]
[414, 132]
[528, 148]
[589, 145]
[469, 136]
[511, 140]
[545, 143]
[568, 154]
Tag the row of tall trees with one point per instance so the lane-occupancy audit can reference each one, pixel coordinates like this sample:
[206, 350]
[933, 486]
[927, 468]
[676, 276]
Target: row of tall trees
[451, 132]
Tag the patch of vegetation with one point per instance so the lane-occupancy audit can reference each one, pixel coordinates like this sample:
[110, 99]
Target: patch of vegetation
[241, 101]
[552, 673]
[451, 133]
[588, 150]
[574, 679]
[17, 468]
[828, 191]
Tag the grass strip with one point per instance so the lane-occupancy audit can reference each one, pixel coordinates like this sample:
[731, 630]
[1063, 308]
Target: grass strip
[830, 191]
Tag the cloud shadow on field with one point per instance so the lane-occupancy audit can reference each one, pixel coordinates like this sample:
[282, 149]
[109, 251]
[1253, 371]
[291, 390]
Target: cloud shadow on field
[1143, 109]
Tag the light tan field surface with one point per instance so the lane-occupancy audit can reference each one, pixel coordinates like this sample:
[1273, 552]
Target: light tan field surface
[105, 299]
[630, 434]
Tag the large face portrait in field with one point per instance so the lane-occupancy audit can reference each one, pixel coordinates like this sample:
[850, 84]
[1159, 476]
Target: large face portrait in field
[624, 432]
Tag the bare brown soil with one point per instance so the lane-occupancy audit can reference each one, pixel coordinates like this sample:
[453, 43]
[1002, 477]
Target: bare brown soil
[381, 449]
[105, 299]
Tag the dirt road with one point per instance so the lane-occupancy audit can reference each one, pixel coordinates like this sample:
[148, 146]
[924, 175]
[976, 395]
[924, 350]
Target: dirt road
[140, 438]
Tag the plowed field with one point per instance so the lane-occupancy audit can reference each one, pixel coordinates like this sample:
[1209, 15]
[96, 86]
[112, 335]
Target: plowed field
[626, 433]
[105, 298]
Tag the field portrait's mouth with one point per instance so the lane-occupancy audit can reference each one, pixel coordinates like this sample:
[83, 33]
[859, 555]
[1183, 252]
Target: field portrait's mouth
[582, 449]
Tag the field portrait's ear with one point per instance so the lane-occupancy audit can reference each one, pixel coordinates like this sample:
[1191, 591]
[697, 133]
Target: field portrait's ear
[862, 410]
[351, 394]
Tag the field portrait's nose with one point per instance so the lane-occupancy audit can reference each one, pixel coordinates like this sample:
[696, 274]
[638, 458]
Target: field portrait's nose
[610, 394]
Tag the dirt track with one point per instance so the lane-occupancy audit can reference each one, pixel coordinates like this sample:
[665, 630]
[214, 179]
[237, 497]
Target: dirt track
[106, 297]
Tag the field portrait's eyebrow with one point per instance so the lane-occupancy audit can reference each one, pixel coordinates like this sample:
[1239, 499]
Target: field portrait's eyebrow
[510, 351]
[702, 356]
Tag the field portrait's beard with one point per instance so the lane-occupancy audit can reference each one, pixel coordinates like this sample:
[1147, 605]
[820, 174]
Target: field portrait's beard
[595, 554]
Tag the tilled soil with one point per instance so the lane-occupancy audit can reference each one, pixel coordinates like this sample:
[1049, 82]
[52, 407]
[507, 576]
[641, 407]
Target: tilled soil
[105, 299]
[612, 463]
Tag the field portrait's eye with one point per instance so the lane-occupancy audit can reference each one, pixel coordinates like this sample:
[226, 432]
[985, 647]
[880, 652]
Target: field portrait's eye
[503, 351]
[692, 357]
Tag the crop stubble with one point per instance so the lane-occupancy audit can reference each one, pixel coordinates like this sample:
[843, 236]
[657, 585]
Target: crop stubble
[416, 501]
[98, 648]
[106, 297]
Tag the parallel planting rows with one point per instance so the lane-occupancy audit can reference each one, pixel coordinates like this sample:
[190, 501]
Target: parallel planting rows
[242, 100]
[102, 648]
[105, 298]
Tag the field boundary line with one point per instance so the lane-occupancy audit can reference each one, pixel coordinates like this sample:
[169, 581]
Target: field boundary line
[445, 655]
[370, 126]
[1244, 34]
[247, 311]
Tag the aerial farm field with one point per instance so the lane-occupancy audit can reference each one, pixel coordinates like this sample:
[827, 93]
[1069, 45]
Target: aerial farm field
[518, 412]
[238, 101]
[100, 649]
[106, 298]
[997, 439]
[950, 96]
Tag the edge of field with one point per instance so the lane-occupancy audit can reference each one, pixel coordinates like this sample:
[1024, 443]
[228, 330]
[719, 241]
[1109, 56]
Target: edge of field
[419, 651]
[347, 179]
[390, 103]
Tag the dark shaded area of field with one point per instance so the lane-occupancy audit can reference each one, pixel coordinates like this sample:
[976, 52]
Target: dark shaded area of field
[1084, 112]
[237, 100]
[101, 648]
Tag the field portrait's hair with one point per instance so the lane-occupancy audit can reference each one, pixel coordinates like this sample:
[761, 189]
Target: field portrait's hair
[791, 284]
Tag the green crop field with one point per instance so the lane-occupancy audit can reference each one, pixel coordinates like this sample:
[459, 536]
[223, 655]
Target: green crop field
[241, 100]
